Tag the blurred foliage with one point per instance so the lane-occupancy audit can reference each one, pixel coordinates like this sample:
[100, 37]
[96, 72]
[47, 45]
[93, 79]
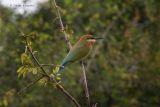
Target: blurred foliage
[124, 73]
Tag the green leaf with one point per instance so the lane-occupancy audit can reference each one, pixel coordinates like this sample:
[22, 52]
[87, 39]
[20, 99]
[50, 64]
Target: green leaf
[55, 71]
[34, 70]
[58, 78]
[22, 71]
[43, 81]
[21, 68]
[25, 59]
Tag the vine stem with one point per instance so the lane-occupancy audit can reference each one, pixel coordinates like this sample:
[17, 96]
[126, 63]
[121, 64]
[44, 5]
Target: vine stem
[70, 46]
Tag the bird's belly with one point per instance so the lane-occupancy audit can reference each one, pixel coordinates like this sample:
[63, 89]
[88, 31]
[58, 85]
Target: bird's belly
[76, 54]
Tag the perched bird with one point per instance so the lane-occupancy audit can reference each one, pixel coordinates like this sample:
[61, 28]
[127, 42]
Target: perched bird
[79, 51]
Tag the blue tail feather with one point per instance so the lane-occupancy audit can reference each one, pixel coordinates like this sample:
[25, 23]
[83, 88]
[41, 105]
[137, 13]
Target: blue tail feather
[61, 69]
[63, 65]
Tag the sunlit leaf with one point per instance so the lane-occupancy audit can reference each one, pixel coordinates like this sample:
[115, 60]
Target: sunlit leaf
[25, 59]
[58, 78]
[22, 71]
[56, 70]
[34, 70]
[19, 70]
[43, 81]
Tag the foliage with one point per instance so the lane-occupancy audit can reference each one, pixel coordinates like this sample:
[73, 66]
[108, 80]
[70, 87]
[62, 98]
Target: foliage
[124, 73]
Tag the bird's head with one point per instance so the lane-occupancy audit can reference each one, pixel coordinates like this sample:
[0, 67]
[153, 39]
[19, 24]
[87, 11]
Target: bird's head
[89, 40]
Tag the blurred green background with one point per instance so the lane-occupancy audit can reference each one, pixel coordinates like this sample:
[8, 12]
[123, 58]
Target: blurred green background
[125, 71]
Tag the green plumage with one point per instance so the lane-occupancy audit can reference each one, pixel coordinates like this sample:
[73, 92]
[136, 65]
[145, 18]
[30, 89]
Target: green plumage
[78, 52]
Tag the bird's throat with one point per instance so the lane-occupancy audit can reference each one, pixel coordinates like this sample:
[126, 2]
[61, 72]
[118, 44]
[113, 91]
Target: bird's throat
[90, 43]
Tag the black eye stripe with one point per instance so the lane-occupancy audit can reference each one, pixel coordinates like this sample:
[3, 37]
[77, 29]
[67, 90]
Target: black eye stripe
[90, 38]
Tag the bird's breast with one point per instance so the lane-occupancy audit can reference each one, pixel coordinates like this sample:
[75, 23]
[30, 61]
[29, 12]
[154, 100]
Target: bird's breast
[90, 43]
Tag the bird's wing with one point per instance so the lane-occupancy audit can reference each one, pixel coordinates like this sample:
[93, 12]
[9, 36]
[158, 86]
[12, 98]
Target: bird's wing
[76, 53]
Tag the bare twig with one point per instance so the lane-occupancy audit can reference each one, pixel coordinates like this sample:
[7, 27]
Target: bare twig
[68, 95]
[94, 105]
[65, 92]
[36, 60]
[70, 46]
[85, 84]
[61, 24]
[30, 85]
[51, 65]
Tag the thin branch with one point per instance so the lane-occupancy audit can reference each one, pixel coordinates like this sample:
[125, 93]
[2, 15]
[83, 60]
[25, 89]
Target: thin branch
[51, 65]
[85, 84]
[70, 46]
[36, 60]
[65, 92]
[68, 95]
[61, 23]
[30, 85]
[95, 105]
